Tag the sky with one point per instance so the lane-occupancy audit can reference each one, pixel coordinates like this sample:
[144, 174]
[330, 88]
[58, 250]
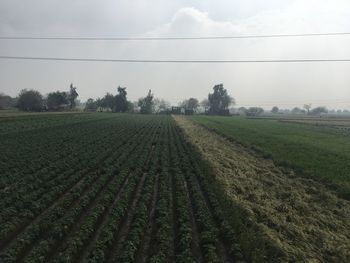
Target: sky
[286, 85]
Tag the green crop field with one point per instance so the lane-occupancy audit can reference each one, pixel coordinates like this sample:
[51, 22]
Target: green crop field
[321, 152]
[109, 187]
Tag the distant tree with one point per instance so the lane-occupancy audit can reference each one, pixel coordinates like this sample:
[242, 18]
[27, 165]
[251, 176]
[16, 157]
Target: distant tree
[275, 109]
[219, 100]
[57, 100]
[146, 104]
[6, 102]
[121, 102]
[191, 104]
[30, 100]
[242, 110]
[107, 102]
[131, 106]
[205, 104]
[91, 105]
[161, 105]
[72, 95]
[254, 111]
[307, 107]
[297, 110]
[319, 110]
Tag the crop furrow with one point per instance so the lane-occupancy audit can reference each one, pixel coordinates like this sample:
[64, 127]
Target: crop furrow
[143, 251]
[126, 162]
[101, 222]
[58, 202]
[127, 220]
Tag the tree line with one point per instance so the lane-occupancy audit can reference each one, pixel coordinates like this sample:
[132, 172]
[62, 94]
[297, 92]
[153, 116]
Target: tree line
[218, 102]
[33, 100]
[307, 110]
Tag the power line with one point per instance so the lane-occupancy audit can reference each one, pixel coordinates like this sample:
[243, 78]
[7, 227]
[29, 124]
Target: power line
[173, 38]
[311, 101]
[173, 61]
[288, 104]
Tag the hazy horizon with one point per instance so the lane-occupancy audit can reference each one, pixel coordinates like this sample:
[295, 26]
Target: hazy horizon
[283, 84]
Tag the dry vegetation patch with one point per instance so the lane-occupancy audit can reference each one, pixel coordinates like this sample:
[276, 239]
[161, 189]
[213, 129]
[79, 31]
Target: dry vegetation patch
[309, 222]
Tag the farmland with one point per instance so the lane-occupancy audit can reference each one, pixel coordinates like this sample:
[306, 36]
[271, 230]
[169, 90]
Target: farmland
[112, 188]
[107, 187]
[315, 148]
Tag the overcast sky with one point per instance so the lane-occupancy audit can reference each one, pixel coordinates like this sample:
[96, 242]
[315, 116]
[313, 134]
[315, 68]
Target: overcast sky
[285, 85]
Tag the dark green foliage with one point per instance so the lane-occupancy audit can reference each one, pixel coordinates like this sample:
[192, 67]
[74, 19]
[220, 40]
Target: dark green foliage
[254, 111]
[297, 110]
[191, 105]
[274, 109]
[219, 101]
[91, 105]
[319, 110]
[57, 100]
[72, 96]
[107, 102]
[117, 103]
[146, 104]
[30, 100]
[121, 102]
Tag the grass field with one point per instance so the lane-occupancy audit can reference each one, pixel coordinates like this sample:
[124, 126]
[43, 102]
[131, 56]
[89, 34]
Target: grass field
[109, 187]
[321, 152]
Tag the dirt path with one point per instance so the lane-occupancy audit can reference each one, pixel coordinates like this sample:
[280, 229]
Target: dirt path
[309, 222]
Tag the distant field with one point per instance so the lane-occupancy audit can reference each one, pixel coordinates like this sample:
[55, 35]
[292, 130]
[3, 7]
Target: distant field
[319, 149]
[19, 122]
[16, 113]
[335, 123]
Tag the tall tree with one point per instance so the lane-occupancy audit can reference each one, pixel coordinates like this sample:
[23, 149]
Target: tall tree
[191, 104]
[205, 105]
[57, 100]
[107, 102]
[307, 107]
[121, 102]
[146, 104]
[161, 105]
[275, 109]
[319, 110]
[73, 94]
[219, 100]
[30, 100]
[297, 110]
[91, 105]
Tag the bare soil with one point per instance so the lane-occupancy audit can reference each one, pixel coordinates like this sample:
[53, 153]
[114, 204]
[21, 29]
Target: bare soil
[307, 220]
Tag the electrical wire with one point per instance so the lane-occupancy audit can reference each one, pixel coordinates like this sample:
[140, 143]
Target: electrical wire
[173, 61]
[173, 38]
